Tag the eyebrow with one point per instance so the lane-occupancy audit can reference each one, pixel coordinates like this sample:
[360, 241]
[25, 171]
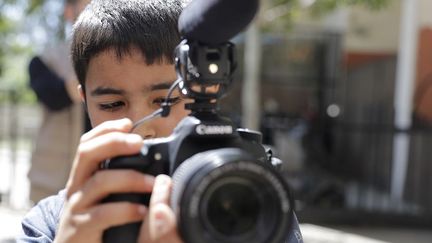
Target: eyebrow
[112, 91]
[159, 86]
[106, 91]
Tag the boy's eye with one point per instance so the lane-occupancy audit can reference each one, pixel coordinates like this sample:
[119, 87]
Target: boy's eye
[171, 101]
[113, 106]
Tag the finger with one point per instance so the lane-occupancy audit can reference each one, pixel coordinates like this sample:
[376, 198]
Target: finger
[160, 226]
[92, 152]
[122, 125]
[107, 182]
[106, 215]
[161, 190]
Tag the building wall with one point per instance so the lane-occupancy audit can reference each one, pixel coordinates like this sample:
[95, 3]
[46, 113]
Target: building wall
[365, 139]
[364, 30]
[374, 31]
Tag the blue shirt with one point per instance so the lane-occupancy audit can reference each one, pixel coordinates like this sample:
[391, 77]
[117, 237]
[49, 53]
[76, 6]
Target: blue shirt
[41, 223]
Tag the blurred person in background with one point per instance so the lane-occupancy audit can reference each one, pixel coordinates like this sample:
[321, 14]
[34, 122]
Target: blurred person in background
[54, 82]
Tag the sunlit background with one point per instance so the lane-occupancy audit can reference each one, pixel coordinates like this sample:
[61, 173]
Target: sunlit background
[341, 90]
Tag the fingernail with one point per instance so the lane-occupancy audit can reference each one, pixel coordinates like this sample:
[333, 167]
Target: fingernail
[133, 138]
[122, 122]
[125, 120]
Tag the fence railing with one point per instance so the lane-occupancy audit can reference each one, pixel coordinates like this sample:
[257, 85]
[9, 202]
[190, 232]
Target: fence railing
[18, 125]
[8, 137]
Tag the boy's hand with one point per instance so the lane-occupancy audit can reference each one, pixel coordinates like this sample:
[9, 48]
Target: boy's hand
[160, 223]
[83, 218]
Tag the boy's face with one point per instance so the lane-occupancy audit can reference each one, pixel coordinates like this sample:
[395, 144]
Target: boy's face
[128, 87]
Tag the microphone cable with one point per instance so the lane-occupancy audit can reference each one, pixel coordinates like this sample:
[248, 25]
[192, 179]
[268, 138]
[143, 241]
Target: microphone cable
[164, 111]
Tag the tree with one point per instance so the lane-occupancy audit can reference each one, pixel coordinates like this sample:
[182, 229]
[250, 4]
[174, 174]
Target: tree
[22, 21]
[22, 24]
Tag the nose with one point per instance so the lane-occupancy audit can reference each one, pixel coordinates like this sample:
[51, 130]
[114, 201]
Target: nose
[143, 126]
[145, 130]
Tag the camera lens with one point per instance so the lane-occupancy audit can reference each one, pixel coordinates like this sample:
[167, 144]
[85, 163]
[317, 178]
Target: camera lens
[224, 195]
[232, 207]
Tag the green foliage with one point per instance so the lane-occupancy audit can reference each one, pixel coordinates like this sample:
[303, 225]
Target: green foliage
[14, 52]
[324, 6]
[373, 4]
[328, 5]
[5, 27]
[5, 24]
[280, 14]
[279, 2]
[34, 5]
[14, 56]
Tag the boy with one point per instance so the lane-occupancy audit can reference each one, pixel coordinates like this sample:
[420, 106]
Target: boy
[122, 53]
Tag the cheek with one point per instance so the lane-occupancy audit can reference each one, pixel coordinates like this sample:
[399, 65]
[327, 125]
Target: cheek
[94, 116]
[179, 112]
[97, 117]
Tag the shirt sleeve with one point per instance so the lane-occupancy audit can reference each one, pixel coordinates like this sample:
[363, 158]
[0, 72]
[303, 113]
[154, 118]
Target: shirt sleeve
[40, 224]
[49, 88]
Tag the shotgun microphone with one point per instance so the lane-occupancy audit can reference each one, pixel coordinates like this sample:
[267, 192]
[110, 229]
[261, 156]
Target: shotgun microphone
[216, 21]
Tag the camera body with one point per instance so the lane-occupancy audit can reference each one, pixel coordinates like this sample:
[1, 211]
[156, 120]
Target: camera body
[201, 153]
[226, 187]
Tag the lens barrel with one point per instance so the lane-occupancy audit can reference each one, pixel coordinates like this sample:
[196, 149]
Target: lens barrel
[225, 195]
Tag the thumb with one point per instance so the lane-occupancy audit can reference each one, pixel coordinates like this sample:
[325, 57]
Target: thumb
[160, 226]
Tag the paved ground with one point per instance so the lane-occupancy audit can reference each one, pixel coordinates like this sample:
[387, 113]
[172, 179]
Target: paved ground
[319, 234]
[13, 208]
[10, 223]
[394, 235]
[10, 226]
[13, 177]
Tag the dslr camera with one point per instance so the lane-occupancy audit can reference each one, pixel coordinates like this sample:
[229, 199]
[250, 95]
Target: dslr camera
[226, 184]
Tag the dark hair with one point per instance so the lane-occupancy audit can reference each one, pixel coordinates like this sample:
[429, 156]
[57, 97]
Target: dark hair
[120, 25]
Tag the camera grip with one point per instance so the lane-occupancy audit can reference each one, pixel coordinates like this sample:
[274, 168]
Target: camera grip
[140, 163]
[127, 232]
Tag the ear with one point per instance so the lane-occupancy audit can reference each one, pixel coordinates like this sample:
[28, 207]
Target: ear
[81, 93]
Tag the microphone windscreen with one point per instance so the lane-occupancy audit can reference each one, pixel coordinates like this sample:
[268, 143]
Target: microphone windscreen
[216, 21]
